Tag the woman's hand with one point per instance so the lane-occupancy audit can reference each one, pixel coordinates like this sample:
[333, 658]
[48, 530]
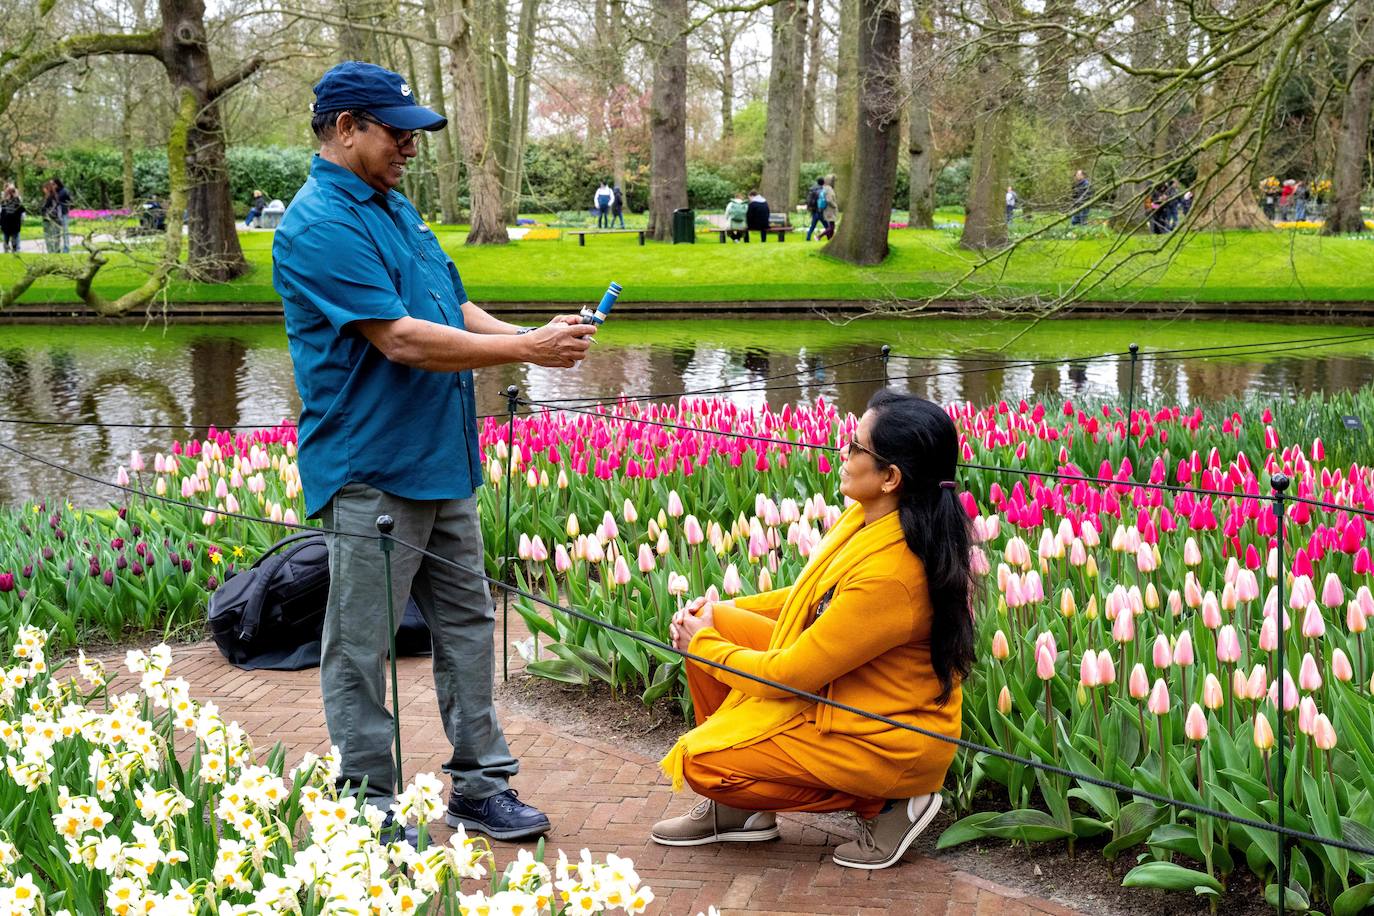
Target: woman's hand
[696, 616]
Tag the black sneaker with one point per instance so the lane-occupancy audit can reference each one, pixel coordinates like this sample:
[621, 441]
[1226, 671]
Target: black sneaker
[392, 832]
[502, 817]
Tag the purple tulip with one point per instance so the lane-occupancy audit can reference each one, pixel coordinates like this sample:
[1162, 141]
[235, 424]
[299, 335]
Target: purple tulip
[47, 553]
[136, 568]
[6, 582]
[121, 562]
[186, 566]
[60, 534]
[117, 543]
[70, 565]
[174, 557]
[108, 577]
[211, 583]
[135, 531]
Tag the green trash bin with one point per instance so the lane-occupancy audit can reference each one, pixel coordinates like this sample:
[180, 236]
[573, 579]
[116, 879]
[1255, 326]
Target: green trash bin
[685, 226]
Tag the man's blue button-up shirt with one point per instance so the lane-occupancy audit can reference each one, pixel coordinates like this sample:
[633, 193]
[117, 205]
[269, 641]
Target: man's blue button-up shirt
[346, 253]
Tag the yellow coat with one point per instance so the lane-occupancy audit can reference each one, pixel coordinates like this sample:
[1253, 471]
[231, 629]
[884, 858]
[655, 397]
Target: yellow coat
[870, 649]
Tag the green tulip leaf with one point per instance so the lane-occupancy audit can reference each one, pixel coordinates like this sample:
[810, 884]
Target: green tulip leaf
[1295, 899]
[1354, 901]
[965, 829]
[1029, 825]
[558, 669]
[1135, 823]
[1170, 877]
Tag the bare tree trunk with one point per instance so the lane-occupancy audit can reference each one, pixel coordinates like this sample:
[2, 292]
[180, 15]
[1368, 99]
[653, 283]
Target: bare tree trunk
[846, 96]
[446, 160]
[1143, 141]
[779, 181]
[1052, 60]
[470, 104]
[920, 143]
[985, 222]
[813, 77]
[668, 117]
[1352, 145]
[520, 104]
[727, 84]
[215, 254]
[354, 43]
[126, 142]
[862, 234]
[497, 81]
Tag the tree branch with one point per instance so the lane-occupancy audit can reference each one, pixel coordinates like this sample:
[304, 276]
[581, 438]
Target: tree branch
[30, 66]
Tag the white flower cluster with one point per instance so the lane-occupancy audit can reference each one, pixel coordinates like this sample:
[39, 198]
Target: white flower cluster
[214, 830]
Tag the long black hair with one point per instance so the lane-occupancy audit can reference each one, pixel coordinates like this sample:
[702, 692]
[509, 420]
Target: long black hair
[919, 438]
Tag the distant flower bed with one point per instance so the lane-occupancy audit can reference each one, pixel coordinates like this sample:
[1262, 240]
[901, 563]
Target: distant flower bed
[97, 214]
[542, 234]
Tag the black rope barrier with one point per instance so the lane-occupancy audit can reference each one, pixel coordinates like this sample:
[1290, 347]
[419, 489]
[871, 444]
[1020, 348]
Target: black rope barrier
[1278, 829]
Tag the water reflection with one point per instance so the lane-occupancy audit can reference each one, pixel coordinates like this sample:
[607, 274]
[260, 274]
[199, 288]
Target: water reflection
[188, 378]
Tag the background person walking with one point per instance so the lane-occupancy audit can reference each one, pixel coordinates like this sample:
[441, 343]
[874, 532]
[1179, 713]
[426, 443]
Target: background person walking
[11, 217]
[602, 202]
[51, 211]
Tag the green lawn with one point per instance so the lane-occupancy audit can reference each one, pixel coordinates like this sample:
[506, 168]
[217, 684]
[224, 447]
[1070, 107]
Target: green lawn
[1210, 267]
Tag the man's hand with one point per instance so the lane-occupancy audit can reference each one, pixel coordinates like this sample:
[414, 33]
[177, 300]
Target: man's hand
[561, 343]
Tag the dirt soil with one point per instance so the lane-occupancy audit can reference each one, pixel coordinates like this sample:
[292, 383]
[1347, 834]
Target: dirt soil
[1086, 881]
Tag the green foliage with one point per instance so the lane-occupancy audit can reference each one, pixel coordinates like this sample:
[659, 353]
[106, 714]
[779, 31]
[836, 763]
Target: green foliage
[951, 185]
[1041, 166]
[276, 171]
[707, 190]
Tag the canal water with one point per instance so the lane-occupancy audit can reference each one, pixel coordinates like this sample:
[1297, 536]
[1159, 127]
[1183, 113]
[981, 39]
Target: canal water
[190, 376]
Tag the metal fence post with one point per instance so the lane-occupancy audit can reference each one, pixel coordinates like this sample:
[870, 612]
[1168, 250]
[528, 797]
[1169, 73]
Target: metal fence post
[512, 396]
[886, 352]
[1130, 404]
[1280, 484]
[386, 524]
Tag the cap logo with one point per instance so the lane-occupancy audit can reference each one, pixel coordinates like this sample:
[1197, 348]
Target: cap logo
[405, 89]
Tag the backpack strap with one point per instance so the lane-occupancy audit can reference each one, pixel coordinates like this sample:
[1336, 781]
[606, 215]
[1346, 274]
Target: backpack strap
[270, 561]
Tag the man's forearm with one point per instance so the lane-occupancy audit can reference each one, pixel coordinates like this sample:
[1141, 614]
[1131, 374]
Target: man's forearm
[479, 321]
[440, 348]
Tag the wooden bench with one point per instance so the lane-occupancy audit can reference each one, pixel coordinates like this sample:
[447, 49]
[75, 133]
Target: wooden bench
[721, 228]
[583, 233]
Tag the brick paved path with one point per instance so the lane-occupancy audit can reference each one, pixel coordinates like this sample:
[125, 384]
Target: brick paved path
[605, 798]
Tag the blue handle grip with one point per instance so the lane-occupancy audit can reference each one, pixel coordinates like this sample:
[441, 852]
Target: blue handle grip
[608, 300]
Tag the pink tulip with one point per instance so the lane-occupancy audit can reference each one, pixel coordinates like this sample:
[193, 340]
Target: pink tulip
[1145, 559]
[561, 561]
[1183, 650]
[1163, 657]
[1355, 617]
[1366, 600]
[1333, 593]
[1139, 683]
[731, 584]
[1228, 645]
[629, 513]
[1259, 681]
[1307, 715]
[646, 558]
[1000, 648]
[1175, 603]
[674, 504]
[1313, 624]
[1212, 696]
[677, 584]
[1323, 733]
[1302, 593]
[1192, 556]
[765, 580]
[1211, 610]
[595, 552]
[977, 561]
[1290, 692]
[1004, 701]
[712, 595]
[136, 461]
[122, 477]
[1047, 639]
[1159, 698]
[1088, 674]
[1106, 668]
[1195, 725]
[1264, 733]
[1340, 667]
[289, 517]
[1123, 629]
[1044, 663]
[1192, 592]
[1240, 685]
[621, 575]
[609, 527]
[691, 530]
[1078, 554]
[1269, 635]
[538, 552]
[1309, 678]
[523, 550]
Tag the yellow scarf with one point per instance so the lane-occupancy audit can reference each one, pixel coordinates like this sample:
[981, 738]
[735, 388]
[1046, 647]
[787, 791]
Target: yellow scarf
[743, 720]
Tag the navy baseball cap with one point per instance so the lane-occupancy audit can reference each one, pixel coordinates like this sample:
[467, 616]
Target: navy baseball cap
[380, 92]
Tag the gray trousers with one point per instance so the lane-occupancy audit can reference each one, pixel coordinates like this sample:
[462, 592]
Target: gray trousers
[458, 608]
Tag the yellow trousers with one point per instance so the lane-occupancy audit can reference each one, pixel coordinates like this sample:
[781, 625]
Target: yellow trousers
[762, 776]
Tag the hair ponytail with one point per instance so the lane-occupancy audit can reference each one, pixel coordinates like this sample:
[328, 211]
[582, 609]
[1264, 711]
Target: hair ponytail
[920, 439]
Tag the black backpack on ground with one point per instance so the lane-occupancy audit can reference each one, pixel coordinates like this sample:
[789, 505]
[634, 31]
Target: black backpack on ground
[271, 615]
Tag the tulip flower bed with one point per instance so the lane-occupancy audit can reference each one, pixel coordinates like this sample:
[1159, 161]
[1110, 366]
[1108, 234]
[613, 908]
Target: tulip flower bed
[1125, 632]
[102, 815]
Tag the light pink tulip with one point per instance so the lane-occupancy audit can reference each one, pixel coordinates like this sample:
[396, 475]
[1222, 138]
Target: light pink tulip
[1162, 655]
[1123, 629]
[621, 575]
[1089, 533]
[1309, 677]
[1228, 644]
[978, 561]
[1324, 733]
[1247, 585]
[1078, 554]
[712, 594]
[1340, 667]
[1229, 599]
[1354, 617]
[561, 561]
[1183, 650]
[1366, 600]
[1290, 692]
[523, 549]
[674, 504]
[1307, 715]
[1175, 603]
[1264, 733]
[595, 552]
[731, 583]
[1269, 635]
[1044, 662]
[691, 530]
[1302, 593]
[1240, 685]
[1159, 698]
[1313, 624]
[1195, 725]
[1259, 681]
[1106, 668]
[1004, 701]
[1333, 593]
[629, 513]
[1047, 639]
[646, 558]
[1211, 611]
[1139, 683]
[1145, 559]
[1192, 556]
[765, 580]
[538, 552]
[1088, 674]
[289, 517]
[1192, 592]
[1001, 650]
[1212, 695]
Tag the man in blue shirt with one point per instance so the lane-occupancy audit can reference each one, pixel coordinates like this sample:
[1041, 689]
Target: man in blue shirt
[384, 341]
